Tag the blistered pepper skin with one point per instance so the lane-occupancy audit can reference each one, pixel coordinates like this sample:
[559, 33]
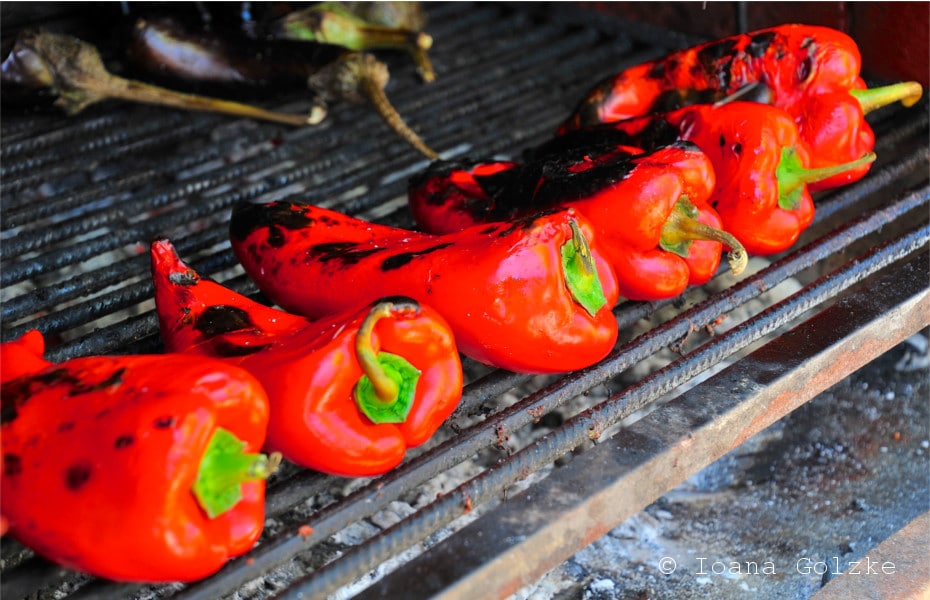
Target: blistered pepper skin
[100, 454]
[314, 261]
[310, 368]
[811, 72]
[627, 194]
[792, 61]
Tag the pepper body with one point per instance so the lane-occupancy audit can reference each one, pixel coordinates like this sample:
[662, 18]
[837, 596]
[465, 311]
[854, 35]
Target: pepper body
[763, 168]
[629, 196]
[502, 287]
[812, 72]
[311, 369]
[100, 456]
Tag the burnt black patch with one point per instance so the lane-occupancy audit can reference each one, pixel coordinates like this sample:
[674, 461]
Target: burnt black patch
[670, 100]
[249, 216]
[76, 476]
[759, 44]
[723, 141]
[712, 53]
[220, 319]
[186, 278]
[82, 387]
[348, 253]
[737, 148]
[12, 464]
[9, 407]
[124, 441]
[805, 68]
[657, 71]
[65, 426]
[399, 260]
[165, 422]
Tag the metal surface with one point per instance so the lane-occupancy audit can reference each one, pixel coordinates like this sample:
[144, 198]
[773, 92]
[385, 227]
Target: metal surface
[81, 197]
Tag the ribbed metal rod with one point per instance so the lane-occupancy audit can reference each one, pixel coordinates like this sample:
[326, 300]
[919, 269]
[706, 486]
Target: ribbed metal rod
[589, 424]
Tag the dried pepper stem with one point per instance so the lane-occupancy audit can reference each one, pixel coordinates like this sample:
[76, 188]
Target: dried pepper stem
[907, 92]
[682, 227]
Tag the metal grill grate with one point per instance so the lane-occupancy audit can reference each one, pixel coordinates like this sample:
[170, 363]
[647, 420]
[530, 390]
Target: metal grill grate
[81, 197]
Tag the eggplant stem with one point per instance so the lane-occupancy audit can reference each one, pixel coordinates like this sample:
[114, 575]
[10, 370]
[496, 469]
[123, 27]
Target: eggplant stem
[373, 87]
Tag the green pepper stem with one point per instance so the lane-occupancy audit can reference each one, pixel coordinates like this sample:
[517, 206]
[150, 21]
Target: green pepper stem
[386, 391]
[792, 176]
[908, 92]
[580, 272]
[385, 388]
[682, 227]
[224, 468]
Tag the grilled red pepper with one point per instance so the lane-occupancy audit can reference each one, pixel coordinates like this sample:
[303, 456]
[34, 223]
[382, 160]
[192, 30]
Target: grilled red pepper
[529, 296]
[650, 210]
[134, 468]
[349, 393]
[804, 69]
[761, 166]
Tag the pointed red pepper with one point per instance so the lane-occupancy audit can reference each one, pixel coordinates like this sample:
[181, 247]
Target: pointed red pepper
[650, 210]
[529, 296]
[349, 393]
[133, 468]
[810, 71]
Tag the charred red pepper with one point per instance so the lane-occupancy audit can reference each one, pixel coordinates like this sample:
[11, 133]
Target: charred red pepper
[806, 70]
[133, 468]
[650, 210]
[348, 394]
[530, 296]
[763, 168]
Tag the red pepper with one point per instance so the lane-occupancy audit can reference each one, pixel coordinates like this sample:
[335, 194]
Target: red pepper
[133, 468]
[803, 69]
[650, 210]
[762, 166]
[529, 296]
[349, 393]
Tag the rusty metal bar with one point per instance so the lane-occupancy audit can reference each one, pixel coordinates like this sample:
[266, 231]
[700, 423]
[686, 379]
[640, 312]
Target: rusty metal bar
[532, 533]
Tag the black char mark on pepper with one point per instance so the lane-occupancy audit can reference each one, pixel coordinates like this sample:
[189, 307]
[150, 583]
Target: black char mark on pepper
[348, 253]
[220, 319]
[249, 216]
[399, 260]
[116, 378]
[12, 464]
[759, 44]
[76, 476]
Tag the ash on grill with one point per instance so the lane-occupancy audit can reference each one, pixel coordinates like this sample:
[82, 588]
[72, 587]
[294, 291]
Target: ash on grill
[82, 196]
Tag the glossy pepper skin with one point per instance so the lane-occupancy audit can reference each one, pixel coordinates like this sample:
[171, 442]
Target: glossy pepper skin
[312, 370]
[804, 69]
[114, 465]
[314, 261]
[763, 167]
[638, 203]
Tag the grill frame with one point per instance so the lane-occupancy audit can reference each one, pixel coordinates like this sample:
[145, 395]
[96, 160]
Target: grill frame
[237, 160]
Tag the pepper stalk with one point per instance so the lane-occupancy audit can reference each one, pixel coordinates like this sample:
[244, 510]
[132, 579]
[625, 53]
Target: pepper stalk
[792, 176]
[386, 391]
[682, 228]
[580, 272]
[907, 92]
[224, 468]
